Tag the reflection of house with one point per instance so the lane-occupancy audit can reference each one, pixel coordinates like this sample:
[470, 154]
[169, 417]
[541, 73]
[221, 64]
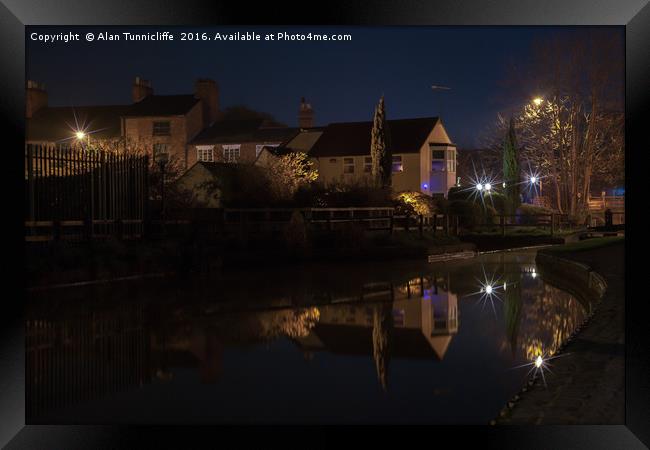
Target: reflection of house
[425, 318]
[424, 158]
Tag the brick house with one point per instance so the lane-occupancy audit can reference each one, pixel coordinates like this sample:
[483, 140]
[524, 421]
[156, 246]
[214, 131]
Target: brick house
[238, 141]
[167, 123]
[158, 122]
[424, 158]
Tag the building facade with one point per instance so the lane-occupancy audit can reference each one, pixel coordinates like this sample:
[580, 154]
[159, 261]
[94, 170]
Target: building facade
[424, 157]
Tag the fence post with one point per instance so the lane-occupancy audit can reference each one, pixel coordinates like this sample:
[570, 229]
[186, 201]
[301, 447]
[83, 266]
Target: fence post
[435, 224]
[392, 224]
[119, 224]
[552, 224]
[446, 224]
[56, 230]
[456, 224]
[88, 225]
[408, 222]
[421, 225]
[503, 224]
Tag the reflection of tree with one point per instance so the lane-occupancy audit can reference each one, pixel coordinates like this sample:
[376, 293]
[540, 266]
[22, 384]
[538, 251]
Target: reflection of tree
[548, 321]
[382, 325]
[512, 309]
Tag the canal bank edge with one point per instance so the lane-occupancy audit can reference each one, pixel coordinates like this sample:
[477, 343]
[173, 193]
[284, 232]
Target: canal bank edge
[589, 388]
[91, 276]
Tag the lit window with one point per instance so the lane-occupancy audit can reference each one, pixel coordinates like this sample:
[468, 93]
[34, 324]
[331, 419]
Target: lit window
[160, 148]
[437, 165]
[367, 164]
[451, 160]
[348, 165]
[161, 128]
[397, 163]
[231, 153]
[205, 153]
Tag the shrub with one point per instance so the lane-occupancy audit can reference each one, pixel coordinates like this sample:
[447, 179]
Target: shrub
[497, 201]
[528, 212]
[414, 203]
[469, 214]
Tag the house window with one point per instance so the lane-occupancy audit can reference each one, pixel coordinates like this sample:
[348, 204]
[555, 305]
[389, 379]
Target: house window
[437, 165]
[348, 165]
[161, 128]
[451, 160]
[367, 164]
[397, 164]
[437, 154]
[205, 153]
[160, 148]
[231, 153]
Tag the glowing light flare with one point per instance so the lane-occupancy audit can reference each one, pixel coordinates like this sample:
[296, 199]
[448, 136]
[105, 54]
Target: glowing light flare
[80, 135]
[479, 187]
[540, 364]
[488, 187]
[538, 101]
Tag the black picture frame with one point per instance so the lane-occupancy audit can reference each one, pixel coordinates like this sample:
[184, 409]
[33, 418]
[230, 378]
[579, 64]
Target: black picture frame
[634, 15]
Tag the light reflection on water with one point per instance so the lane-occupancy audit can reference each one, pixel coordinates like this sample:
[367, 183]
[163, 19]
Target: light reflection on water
[393, 342]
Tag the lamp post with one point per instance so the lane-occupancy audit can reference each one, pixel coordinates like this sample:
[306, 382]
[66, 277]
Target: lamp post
[84, 139]
[162, 158]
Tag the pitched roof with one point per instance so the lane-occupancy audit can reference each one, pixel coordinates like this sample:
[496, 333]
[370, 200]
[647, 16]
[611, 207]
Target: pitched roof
[239, 131]
[353, 138]
[305, 140]
[60, 123]
[163, 105]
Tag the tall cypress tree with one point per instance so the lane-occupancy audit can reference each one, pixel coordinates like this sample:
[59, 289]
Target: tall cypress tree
[511, 169]
[380, 153]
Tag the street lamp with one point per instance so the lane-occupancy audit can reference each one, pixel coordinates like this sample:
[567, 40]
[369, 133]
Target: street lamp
[538, 101]
[84, 140]
[162, 158]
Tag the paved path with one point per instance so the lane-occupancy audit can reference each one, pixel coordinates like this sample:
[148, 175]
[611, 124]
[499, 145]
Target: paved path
[588, 386]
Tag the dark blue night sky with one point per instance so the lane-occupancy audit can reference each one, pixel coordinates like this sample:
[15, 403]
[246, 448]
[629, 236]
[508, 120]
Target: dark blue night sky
[342, 80]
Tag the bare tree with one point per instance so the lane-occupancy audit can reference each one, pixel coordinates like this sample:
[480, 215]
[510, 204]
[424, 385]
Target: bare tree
[574, 133]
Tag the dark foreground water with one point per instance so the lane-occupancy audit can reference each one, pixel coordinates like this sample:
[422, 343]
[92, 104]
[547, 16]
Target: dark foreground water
[384, 342]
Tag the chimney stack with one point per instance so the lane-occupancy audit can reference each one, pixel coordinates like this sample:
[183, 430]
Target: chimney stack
[305, 115]
[36, 96]
[141, 89]
[207, 91]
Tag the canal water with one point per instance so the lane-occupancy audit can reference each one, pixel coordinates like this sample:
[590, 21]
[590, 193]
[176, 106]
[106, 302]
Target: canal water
[398, 342]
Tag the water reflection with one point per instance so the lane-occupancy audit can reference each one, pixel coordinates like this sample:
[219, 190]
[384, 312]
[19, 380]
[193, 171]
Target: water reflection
[402, 319]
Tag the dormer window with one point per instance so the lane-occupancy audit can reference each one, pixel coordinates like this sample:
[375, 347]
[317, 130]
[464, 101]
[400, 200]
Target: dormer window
[161, 128]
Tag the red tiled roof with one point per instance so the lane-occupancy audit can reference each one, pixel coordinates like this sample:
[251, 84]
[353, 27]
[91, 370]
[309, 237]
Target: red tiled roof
[353, 138]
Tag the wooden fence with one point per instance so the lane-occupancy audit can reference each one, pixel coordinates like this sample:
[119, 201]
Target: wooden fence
[75, 193]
